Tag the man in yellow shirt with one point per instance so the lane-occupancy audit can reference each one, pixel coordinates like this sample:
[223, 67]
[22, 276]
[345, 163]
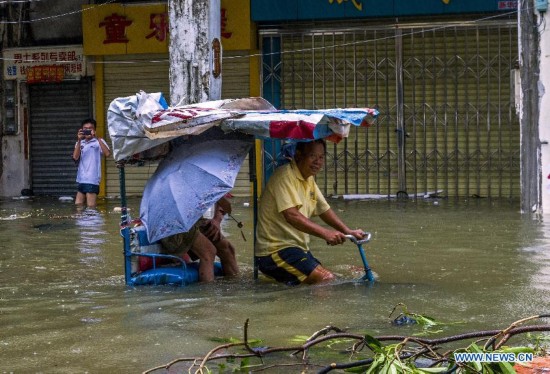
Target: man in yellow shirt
[290, 199]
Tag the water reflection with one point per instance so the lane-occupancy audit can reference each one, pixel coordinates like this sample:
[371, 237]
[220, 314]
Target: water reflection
[90, 225]
[64, 306]
[538, 253]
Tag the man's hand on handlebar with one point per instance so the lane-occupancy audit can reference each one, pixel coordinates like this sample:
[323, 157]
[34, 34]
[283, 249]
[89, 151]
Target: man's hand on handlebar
[358, 234]
[334, 237]
[365, 238]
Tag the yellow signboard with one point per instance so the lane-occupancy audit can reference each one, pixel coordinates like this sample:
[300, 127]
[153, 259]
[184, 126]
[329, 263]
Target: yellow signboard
[117, 29]
[237, 31]
[114, 29]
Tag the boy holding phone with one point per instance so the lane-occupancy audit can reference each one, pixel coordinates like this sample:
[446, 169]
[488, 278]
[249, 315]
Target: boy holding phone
[87, 153]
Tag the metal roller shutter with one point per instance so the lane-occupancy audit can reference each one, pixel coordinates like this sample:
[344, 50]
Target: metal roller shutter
[338, 69]
[125, 76]
[56, 111]
[456, 105]
[150, 74]
[236, 84]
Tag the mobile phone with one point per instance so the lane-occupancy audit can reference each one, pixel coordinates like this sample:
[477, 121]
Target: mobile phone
[86, 132]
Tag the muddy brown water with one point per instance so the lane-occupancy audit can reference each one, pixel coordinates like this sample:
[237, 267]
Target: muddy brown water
[64, 307]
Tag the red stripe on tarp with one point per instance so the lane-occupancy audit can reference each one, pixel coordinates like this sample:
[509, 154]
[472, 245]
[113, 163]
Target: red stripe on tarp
[186, 113]
[366, 122]
[291, 129]
[336, 138]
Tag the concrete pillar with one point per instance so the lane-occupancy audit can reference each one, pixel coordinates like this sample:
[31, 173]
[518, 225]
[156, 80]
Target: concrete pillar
[195, 51]
[544, 116]
[531, 89]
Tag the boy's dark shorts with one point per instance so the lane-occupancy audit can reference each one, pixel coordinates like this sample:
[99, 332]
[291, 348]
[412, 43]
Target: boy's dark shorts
[88, 188]
[290, 265]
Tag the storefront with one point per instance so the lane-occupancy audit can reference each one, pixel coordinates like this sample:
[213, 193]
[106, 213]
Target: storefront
[441, 73]
[129, 45]
[49, 92]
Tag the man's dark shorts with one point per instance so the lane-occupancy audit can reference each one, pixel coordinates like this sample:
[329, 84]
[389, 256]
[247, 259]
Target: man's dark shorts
[290, 265]
[181, 243]
[88, 188]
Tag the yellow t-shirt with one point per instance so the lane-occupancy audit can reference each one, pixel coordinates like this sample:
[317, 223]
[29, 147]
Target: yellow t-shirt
[286, 189]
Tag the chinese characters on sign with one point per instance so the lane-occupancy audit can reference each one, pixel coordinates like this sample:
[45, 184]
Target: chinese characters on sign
[18, 63]
[356, 3]
[45, 74]
[119, 29]
[115, 28]
[225, 33]
[507, 5]
[217, 55]
[159, 25]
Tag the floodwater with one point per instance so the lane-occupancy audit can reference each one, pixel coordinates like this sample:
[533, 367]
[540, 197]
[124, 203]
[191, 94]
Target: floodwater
[64, 307]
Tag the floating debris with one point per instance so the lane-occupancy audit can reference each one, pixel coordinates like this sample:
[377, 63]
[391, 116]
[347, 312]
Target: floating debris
[53, 226]
[12, 217]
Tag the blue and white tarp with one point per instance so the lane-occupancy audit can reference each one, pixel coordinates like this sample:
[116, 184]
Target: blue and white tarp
[140, 122]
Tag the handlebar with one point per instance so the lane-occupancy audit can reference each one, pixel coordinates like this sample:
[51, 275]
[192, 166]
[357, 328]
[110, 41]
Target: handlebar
[362, 241]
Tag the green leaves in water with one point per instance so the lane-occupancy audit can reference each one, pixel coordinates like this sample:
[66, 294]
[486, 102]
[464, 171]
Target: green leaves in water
[391, 358]
[233, 365]
[232, 340]
[300, 339]
[428, 324]
[540, 343]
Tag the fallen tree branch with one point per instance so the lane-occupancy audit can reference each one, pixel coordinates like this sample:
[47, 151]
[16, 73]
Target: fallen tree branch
[207, 357]
[426, 347]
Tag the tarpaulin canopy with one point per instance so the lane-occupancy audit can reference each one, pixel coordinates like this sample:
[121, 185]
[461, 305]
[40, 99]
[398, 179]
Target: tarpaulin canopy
[140, 122]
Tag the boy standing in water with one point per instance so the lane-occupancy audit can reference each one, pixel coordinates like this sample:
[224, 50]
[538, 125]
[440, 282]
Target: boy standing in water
[87, 152]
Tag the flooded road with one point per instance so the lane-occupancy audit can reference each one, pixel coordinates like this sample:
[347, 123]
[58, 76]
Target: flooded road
[64, 307]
